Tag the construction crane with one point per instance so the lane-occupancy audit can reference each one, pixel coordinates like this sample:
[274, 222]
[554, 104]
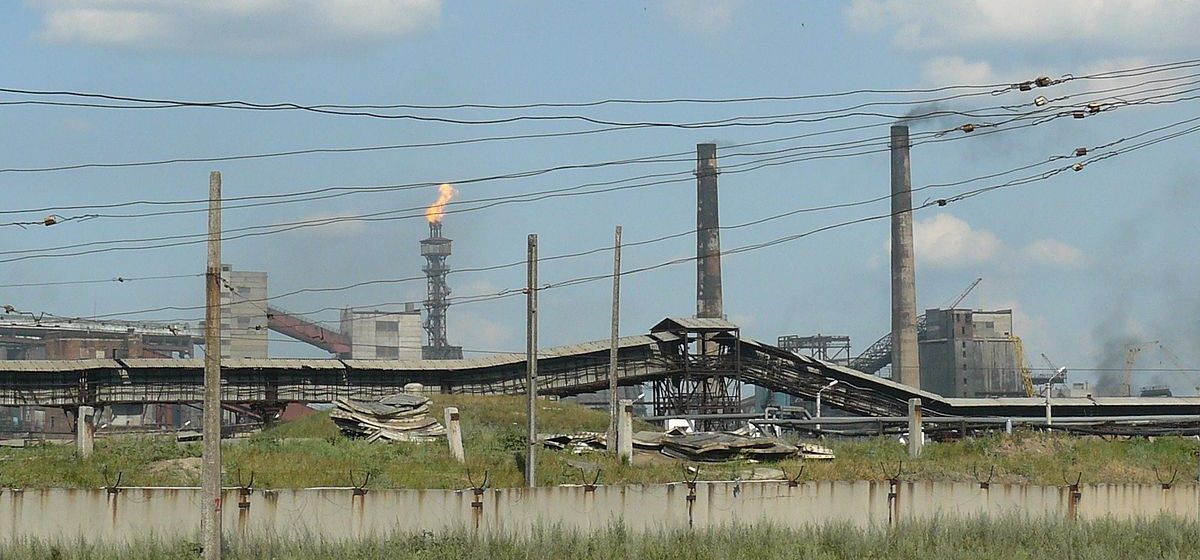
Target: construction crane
[959, 299]
[1025, 371]
[879, 354]
[1131, 353]
[1055, 371]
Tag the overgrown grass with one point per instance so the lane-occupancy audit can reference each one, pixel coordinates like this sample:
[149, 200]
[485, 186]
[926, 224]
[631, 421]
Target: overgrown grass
[969, 539]
[311, 452]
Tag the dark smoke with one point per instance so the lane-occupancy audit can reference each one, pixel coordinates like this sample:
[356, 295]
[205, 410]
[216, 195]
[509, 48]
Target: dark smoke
[1150, 282]
[932, 116]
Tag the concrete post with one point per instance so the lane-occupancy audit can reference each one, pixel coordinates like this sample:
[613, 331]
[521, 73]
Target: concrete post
[210, 469]
[531, 358]
[916, 434]
[454, 434]
[625, 431]
[906, 367]
[85, 430]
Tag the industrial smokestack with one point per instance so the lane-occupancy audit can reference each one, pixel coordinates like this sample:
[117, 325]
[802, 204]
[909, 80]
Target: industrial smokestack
[906, 366]
[708, 235]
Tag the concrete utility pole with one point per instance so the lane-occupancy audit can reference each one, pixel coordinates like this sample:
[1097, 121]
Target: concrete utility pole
[906, 367]
[916, 432]
[614, 411]
[454, 434]
[210, 475]
[625, 428]
[531, 348]
[85, 430]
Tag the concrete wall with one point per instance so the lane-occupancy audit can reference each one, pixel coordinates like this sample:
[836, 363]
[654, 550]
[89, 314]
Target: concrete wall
[384, 335]
[968, 354]
[243, 314]
[337, 513]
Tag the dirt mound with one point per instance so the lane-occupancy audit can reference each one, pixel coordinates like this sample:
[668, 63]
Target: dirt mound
[187, 468]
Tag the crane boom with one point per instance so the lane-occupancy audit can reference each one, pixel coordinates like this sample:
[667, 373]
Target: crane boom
[959, 299]
[1131, 352]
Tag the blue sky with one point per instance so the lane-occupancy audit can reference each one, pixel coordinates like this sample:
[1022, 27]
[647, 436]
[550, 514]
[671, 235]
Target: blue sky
[1088, 260]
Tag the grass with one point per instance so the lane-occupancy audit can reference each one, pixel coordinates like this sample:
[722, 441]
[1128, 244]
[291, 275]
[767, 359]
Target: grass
[968, 539]
[310, 452]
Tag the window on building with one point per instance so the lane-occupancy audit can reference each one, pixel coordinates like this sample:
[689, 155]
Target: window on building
[387, 352]
[385, 327]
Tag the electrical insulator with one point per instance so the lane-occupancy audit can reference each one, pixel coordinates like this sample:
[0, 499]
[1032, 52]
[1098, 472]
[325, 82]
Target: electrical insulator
[967, 127]
[1081, 151]
[50, 220]
[1040, 100]
[1025, 86]
[1093, 107]
[1077, 167]
[1043, 81]
[1078, 114]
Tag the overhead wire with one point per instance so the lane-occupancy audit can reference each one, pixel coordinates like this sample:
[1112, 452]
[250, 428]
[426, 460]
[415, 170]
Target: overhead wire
[380, 216]
[342, 191]
[459, 300]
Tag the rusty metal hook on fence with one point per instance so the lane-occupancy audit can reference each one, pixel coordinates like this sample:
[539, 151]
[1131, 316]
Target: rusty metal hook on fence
[360, 489]
[887, 475]
[1074, 486]
[984, 484]
[110, 486]
[1162, 481]
[794, 481]
[246, 486]
[589, 486]
[478, 488]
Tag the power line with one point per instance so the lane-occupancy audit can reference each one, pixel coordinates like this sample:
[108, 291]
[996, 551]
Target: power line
[357, 110]
[524, 197]
[757, 246]
[342, 191]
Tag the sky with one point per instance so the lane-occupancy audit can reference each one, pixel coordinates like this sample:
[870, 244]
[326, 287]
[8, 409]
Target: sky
[1089, 261]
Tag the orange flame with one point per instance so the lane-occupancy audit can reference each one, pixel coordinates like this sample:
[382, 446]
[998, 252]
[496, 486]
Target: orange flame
[445, 193]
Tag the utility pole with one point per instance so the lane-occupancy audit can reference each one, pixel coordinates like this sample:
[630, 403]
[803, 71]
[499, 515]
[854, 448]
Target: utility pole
[614, 410]
[531, 347]
[210, 476]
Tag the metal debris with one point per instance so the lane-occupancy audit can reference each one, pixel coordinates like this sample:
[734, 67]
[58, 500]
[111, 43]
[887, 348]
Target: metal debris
[725, 446]
[583, 442]
[398, 417]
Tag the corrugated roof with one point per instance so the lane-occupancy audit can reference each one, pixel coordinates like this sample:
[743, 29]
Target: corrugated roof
[57, 365]
[693, 323]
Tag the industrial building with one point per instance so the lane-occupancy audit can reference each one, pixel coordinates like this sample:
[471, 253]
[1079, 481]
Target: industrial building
[243, 313]
[383, 335]
[967, 353]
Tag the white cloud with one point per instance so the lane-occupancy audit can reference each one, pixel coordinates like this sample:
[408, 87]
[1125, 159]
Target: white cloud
[706, 16]
[234, 26]
[1137, 24]
[944, 240]
[957, 70]
[480, 333]
[1053, 252]
[332, 225]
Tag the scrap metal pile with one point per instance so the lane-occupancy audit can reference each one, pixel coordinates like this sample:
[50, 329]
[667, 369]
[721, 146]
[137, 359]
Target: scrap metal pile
[713, 447]
[399, 417]
[708, 447]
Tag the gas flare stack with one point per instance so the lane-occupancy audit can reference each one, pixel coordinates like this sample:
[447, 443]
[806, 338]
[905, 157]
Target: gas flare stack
[436, 249]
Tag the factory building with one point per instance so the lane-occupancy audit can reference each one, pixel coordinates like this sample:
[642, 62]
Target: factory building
[243, 313]
[383, 335]
[967, 353]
